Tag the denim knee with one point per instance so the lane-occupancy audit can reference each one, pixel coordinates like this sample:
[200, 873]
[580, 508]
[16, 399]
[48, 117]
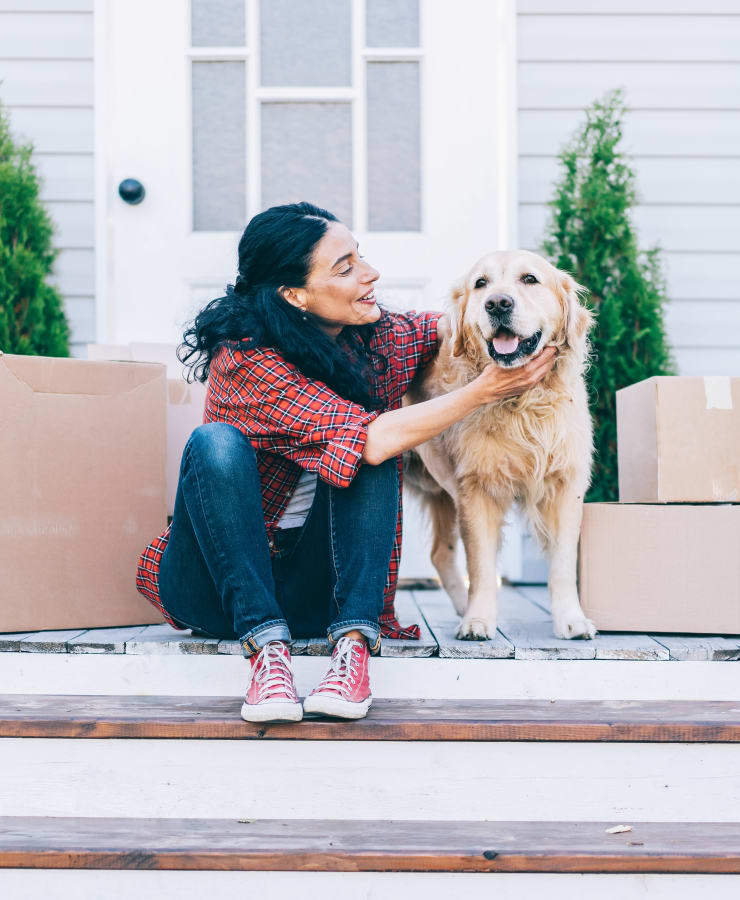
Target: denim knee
[385, 471]
[218, 442]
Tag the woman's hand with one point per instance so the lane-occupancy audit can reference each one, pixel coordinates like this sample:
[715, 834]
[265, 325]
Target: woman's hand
[498, 383]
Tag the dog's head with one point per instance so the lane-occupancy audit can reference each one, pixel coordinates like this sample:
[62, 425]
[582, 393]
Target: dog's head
[511, 304]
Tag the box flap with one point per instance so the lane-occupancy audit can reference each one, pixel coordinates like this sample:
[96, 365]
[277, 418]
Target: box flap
[60, 375]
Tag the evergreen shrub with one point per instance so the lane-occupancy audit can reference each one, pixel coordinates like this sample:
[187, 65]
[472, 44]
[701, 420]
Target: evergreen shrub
[32, 319]
[591, 235]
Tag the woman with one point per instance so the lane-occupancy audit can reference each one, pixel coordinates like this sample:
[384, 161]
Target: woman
[287, 519]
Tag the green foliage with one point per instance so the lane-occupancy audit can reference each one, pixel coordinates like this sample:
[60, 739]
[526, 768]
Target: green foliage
[32, 319]
[591, 235]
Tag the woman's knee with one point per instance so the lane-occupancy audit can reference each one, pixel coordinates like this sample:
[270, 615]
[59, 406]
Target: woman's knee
[374, 485]
[386, 471]
[217, 444]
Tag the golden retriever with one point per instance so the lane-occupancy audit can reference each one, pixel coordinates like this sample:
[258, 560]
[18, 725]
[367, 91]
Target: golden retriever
[534, 449]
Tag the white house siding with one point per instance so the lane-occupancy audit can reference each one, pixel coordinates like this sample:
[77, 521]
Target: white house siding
[46, 83]
[679, 62]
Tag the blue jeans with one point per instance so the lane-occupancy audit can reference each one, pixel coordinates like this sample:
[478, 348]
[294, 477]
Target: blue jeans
[217, 575]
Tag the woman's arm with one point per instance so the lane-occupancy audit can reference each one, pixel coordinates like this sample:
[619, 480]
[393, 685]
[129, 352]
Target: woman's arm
[398, 430]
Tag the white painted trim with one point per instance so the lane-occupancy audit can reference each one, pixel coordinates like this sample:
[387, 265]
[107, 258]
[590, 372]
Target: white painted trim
[254, 124]
[359, 121]
[130, 884]
[443, 780]
[506, 124]
[445, 679]
[392, 54]
[104, 293]
[187, 137]
[217, 53]
[305, 94]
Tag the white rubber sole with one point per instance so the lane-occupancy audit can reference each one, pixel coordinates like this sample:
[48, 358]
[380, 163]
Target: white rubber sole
[334, 706]
[272, 712]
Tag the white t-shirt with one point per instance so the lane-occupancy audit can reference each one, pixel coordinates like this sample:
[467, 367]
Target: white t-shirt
[296, 512]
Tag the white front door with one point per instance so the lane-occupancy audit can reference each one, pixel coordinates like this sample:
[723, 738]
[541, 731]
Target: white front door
[393, 114]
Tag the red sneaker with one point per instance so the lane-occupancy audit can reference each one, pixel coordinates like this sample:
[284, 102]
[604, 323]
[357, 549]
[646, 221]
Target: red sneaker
[345, 690]
[271, 695]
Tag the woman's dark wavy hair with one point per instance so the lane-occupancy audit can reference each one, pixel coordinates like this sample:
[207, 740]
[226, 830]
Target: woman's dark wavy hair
[277, 248]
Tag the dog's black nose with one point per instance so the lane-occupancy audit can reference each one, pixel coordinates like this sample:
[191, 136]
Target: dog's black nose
[499, 303]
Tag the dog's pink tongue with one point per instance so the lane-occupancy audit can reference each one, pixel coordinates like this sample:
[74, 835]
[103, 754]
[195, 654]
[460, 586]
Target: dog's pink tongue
[505, 344]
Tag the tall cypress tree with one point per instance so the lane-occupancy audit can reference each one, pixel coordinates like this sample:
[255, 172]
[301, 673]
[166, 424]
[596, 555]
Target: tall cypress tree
[32, 319]
[592, 236]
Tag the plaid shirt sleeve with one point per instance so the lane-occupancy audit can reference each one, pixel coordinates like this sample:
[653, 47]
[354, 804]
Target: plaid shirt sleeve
[416, 333]
[282, 411]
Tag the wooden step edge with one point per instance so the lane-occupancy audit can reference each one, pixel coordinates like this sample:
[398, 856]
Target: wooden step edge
[218, 718]
[369, 846]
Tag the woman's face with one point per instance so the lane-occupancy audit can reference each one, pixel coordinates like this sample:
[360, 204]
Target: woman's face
[339, 290]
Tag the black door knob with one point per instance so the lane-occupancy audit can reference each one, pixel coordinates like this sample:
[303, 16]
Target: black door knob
[131, 190]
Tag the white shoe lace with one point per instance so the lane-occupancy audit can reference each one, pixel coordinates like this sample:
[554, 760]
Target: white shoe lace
[273, 673]
[342, 669]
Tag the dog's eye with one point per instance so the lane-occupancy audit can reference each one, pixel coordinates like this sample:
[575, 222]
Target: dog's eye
[481, 282]
[529, 279]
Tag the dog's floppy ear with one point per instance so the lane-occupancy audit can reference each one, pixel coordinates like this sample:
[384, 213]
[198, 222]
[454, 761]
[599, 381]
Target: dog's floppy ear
[577, 319]
[456, 310]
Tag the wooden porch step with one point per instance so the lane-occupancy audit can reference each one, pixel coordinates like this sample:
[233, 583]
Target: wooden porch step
[198, 717]
[369, 846]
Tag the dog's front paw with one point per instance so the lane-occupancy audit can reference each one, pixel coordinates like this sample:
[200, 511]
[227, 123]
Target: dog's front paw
[574, 626]
[472, 628]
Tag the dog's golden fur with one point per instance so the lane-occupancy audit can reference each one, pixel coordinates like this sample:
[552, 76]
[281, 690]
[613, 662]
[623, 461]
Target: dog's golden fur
[534, 449]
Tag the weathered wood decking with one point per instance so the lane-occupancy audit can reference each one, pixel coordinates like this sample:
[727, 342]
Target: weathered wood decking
[524, 632]
[367, 846]
[217, 718]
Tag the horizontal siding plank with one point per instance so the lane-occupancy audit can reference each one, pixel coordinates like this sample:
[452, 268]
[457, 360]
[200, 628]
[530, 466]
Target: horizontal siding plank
[623, 37]
[74, 272]
[55, 130]
[42, 35]
[65, 177]
[80, 313]
[688, 181]
[646, 133]
[711, 276]
[601, 7]
[702, 276]
[708, 361]
[696, 323]
[694, 228]
[74, 224]
[66, 6]
[567, 85]
[36, 82]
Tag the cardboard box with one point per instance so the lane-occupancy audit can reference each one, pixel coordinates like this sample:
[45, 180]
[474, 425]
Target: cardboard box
[661, 568]
[678, 440]
[82, 490]
[185, 402]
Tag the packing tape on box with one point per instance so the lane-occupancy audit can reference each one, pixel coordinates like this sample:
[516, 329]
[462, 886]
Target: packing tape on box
[718, 391]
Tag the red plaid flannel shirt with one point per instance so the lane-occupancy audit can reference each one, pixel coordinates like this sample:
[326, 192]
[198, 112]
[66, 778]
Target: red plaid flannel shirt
[295, 423]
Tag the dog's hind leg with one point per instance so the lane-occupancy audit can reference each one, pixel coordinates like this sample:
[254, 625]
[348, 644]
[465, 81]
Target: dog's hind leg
[561, 521]
[445, 534]
[480, 519]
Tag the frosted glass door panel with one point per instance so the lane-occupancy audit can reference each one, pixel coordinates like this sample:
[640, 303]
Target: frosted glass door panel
[219, 146]
[218, 23]
[307, 155]
[392, 23]
[306, 43]
[393, 146]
